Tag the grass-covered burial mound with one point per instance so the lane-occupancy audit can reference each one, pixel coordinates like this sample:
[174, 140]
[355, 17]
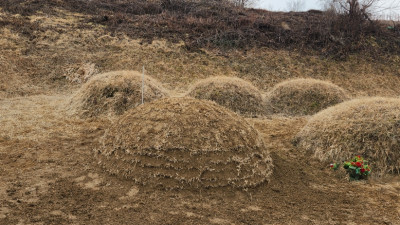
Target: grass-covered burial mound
[369, 127]
[299, 97]
[115, 92]
[181, 142]
[234, 93]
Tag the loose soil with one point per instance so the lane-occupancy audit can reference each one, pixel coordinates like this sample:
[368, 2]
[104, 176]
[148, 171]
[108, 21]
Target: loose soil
[49, 177]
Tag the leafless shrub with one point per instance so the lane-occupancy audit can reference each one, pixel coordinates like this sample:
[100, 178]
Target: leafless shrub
[295, 5]
[220, 24]
[244, 3]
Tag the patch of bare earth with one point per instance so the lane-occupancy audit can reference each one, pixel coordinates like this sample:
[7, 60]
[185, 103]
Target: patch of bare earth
[49, 177]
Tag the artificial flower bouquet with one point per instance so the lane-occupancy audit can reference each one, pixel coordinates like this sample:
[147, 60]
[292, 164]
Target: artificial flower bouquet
[357, 168]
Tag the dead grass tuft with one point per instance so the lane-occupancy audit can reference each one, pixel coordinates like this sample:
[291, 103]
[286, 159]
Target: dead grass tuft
[369, 127]
[115, 92]
[184, 142]
[234, 93]
[304, 96]
[81, 73]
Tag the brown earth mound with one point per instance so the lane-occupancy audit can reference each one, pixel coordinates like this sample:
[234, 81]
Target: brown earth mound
[303, 97]
[369, 127]
[116, 92]
[234, 93]
[180, 142]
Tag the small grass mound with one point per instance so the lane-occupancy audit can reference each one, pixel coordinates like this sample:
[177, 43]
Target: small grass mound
[116, 92]
[303, 97]
[369, 127]
[234, 93]
[183, 142]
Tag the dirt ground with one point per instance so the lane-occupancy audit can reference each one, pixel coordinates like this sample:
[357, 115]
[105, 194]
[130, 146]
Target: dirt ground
[48, 174]
[49, 177]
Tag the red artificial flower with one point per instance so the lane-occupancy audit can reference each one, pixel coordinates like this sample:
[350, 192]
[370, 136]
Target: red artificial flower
[358, 164]
[353, 163]
[359, 156]
[362, 170]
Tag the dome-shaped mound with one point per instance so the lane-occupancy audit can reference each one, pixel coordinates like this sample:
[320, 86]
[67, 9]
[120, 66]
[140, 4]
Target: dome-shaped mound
[234, 93]
[303, 97]
[115, 92]
[369, 127]
[184, 142]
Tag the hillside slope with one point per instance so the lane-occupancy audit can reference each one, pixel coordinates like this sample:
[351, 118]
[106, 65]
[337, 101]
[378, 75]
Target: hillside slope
[42, 51]
[51, 48]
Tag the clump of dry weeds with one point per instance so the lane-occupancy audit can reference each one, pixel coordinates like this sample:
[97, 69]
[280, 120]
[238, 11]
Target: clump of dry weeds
[185, 142]
[115, 92]
[221, 25]
[369, 127]
[234, 93]
[303, 96]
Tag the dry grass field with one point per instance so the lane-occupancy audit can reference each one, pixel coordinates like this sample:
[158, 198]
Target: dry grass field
[228, 168]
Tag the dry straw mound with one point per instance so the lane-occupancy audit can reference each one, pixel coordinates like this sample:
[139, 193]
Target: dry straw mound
[116, 92]
[369, 127]
[303, 96]
[184, 142]
[234, 93]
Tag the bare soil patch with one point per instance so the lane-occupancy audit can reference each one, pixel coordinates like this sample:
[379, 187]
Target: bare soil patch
[54, 180]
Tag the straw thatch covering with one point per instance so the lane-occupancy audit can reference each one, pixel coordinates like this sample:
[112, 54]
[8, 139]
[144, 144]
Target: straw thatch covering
[115, 92]
[369, 127]
[181, 142]
[234, 93]
[303, 97]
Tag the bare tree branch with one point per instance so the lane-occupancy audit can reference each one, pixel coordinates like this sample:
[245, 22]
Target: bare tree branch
[244, 3]
[366, 8]
[295, 5]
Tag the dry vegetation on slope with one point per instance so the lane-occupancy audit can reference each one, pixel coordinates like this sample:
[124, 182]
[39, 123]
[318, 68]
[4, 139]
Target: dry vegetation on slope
[218, 24]
[48, 174]
[43, 49]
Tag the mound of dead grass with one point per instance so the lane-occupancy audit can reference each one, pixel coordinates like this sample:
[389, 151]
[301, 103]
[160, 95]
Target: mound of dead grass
[184, 142]
[369, 127]
[303, 96]
[234, 93]
[116, 92]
